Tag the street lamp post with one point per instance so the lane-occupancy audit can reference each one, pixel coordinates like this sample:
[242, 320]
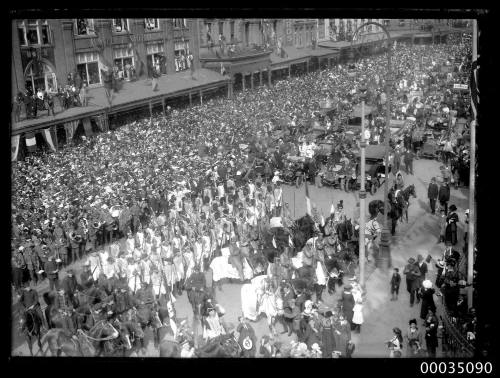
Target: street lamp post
[383, 260]
[362, 193]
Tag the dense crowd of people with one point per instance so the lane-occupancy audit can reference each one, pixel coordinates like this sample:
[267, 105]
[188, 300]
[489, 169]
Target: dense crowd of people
[195, 190]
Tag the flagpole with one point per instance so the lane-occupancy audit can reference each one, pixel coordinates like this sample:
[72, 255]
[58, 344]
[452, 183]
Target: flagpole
[472, 178]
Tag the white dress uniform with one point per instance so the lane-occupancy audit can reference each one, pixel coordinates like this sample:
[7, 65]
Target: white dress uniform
[179, 267]
[189, 261]
[109, 269]
[139, 236]
[147, 248]
[103, 256]
[144, 268]
[130, 246]
[114, 250]
[133, 280]
[95, 266]
[157, 283]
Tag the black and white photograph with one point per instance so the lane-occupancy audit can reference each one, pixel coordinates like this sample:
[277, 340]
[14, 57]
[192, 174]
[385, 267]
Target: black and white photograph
[244, 187]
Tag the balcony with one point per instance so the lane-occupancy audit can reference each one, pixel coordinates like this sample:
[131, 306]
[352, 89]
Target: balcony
[240, 53]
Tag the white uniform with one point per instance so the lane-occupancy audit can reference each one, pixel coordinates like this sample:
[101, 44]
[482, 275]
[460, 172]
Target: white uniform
[130, 245]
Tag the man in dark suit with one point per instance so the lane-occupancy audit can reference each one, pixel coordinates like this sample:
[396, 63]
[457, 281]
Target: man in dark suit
[348, 304]
[86, 278]
[444, 196]
[70, 285]
[52, 273]
[412, 273]
[422, 266]
[432, 194]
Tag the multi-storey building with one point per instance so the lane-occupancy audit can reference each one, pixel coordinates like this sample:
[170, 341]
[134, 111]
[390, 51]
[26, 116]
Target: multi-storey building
[46, 51]
[335, 29]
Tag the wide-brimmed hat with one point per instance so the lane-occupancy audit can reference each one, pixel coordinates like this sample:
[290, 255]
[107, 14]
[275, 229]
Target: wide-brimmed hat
[453, 208]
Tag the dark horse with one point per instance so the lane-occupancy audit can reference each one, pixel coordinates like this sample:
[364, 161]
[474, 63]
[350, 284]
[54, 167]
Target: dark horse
[222, 346]
[103, 337]
[403, 200]
[31, 325]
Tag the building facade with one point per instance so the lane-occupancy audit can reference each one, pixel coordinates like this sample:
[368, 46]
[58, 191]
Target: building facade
[336, 29]
[45, 51]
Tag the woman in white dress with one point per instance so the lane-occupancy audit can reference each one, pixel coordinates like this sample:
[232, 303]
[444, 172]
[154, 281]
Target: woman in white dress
[130, 244]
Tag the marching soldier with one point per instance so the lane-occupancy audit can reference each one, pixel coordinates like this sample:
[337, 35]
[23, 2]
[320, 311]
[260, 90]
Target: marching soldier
[52, 273]
[33, 264]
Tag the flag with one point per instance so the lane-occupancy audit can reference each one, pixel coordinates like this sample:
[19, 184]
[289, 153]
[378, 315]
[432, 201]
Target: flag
[308, 200]
[14, 148]
[48, 138]
[274, 242]
[474, 90]
[87, 126]
[70, 128]
[30, 142]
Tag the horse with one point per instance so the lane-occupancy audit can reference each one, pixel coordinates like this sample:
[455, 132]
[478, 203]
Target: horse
[223, 346]
[168, 345]
[402, 199]
[130, 332]
[146, 317]
[59, 341]
[30, 324]
[99, 339]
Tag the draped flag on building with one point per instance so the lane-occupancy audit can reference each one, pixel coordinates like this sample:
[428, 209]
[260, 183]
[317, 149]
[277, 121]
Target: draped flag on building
[87, 126]
[14, 148]
[70, 128]
[308, 200]
[48, 138]
[30, 142]
[474, 90]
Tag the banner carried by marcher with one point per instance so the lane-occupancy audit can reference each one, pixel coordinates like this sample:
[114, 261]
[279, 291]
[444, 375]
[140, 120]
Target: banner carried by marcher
[14, 147]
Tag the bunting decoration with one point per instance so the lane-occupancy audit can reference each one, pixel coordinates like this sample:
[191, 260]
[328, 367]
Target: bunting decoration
[87, 126]
[48, 138]
[70, 128]
[14, 148]
[30, 142]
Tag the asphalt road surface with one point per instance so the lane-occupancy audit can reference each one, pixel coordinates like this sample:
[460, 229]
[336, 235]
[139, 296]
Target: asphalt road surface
[419, 235]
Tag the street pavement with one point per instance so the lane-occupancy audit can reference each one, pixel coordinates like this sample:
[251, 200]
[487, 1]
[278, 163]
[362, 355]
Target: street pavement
[381, 315]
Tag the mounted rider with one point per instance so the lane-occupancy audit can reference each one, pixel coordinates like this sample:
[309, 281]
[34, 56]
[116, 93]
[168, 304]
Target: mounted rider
[29, 301]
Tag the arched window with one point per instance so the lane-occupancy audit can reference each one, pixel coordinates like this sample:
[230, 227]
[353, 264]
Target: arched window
[39, 75]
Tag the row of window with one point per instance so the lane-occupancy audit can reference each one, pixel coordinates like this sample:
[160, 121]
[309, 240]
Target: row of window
[85, 26]
[37, 32]
[124, 61]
